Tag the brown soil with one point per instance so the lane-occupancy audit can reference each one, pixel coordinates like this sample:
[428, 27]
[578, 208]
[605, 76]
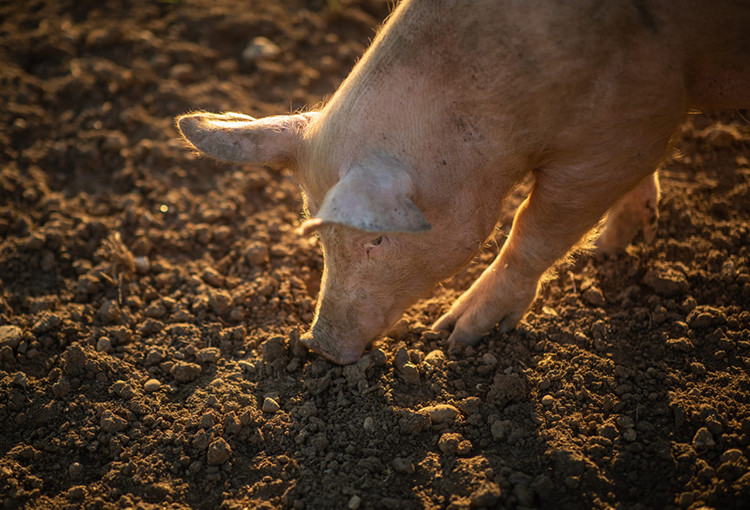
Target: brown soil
[151, 302]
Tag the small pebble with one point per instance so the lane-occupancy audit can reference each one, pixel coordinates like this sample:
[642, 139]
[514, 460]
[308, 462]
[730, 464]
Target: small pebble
[75, 470]
[369, 425]
[6, 354]
[489, 359]
[152, 385]
[354, 502]
[685, 499]
[212, 277]
[703, 439]
[470, 405]
[416, 356]
[104, 344]
[629, 435]
[261, 48]
[378, 358]
[625, 422]
[293, 365]
[401, 358]
[548, 400]
[409, 373]
[435, 358]
[155, 310]
[153, 357]
[594, 297]
[142, 264]
[405, 466]
[109, 311]
[20, 380]
[270, 405]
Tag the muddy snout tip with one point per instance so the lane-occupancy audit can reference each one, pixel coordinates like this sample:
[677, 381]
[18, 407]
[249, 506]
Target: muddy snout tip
[328, 351]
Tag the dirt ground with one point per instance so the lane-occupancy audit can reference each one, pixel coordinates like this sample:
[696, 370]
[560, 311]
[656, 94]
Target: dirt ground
[151, 301]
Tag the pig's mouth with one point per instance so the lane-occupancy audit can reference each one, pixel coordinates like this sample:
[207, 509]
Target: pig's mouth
[321, 341]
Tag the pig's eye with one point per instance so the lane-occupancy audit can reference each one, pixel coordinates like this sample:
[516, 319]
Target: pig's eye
[369, 245]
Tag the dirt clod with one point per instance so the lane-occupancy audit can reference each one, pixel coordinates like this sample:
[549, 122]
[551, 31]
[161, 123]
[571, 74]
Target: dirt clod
[10, 336]
[218, 452]
[185, 372]
[666, 282]
[441, 413]
[486, 495]
[110, 422]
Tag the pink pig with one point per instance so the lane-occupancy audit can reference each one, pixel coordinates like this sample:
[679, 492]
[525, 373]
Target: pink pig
[404, 171]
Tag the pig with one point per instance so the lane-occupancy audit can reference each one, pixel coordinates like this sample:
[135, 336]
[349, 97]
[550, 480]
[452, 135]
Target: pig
[404, 170]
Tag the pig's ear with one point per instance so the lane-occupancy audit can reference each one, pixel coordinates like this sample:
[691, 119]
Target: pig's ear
[372, 197]
[237, 138]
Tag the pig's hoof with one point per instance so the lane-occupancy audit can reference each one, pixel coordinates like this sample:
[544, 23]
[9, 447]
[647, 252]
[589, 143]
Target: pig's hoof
[459, 334]
[444, 323]
[470, 328]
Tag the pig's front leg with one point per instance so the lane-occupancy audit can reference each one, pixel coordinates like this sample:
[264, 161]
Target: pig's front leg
[560, 210]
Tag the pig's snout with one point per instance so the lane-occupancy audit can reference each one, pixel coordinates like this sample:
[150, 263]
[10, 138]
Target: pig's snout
[322, 340]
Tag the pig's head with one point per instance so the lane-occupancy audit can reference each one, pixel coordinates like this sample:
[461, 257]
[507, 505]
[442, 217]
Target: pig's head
[381, 252]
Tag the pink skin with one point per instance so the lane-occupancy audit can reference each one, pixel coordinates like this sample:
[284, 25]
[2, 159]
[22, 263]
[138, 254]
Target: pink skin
[638, 210]
[454, 104]
[344, 340]
[367, 284]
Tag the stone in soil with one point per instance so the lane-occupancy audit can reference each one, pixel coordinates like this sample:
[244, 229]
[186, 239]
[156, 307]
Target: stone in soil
[218, 452]
[270, 405]
[185, 372]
